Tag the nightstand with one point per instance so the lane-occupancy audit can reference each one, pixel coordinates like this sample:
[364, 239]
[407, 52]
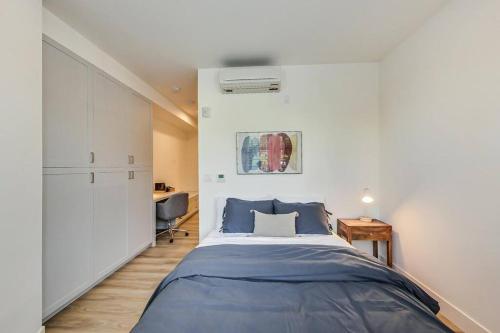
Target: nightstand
[375, 231]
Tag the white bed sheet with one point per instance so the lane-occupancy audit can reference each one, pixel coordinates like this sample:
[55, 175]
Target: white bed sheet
[217, 238]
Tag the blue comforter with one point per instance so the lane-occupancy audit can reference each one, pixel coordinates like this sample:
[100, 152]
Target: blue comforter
[287, 288]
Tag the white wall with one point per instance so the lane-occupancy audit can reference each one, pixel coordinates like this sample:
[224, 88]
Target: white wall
[335, 107]
[190, 158]
[175, 153]
[440, 159]
[65, 35]
[21, 167]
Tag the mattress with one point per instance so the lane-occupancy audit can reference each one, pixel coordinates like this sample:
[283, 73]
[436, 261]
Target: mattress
[218, 238]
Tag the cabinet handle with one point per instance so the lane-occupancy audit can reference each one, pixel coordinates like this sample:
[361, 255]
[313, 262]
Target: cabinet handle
[130, 159]
[92, 157]
[131, 175]
[92, 178]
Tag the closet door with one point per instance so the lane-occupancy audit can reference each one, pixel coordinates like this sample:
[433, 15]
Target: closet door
[110, 124]
[110, 221]
[140, 131]
[139, 211]
[67, 232]
[65, 117]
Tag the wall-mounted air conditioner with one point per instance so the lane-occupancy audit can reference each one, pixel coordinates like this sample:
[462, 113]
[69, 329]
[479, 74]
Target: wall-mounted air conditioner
[243, 80]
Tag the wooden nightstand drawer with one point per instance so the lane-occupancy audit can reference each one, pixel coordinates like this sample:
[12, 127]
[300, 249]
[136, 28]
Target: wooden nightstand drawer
[374, 233]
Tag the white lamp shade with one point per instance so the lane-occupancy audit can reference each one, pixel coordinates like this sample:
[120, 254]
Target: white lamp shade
[367, 196]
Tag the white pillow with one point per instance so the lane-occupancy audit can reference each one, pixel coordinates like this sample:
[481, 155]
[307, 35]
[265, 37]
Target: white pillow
[274, 225]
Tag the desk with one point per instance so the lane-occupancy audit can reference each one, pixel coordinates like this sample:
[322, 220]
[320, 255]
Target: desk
[192, 207]
[162, 195]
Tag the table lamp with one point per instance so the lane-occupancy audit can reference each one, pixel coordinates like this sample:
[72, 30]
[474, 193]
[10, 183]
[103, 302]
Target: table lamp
[367, 199]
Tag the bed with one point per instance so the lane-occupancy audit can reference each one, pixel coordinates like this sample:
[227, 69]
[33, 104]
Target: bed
[308, 283]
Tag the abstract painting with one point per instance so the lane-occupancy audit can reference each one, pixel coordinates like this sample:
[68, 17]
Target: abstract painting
[269, 152]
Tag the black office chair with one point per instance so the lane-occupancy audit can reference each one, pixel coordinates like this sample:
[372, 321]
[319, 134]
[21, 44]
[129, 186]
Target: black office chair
[167, 213]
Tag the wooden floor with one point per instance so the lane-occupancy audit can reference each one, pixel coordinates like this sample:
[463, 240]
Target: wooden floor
[116, 303]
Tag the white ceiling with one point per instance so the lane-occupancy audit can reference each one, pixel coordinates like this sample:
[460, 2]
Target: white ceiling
[165, 41]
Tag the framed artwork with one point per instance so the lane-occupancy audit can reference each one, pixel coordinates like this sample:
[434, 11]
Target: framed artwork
[269, 153]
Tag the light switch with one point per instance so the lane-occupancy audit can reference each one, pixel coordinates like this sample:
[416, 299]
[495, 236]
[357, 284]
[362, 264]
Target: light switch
[221, 178]
[205, 112]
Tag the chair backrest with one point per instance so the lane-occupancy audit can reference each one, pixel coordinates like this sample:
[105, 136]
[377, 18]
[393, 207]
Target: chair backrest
[175, 206]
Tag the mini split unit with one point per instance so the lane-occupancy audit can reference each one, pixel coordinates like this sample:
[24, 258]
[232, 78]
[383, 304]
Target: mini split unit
[244, 80]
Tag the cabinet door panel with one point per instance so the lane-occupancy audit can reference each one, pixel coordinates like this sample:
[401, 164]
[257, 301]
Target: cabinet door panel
[140, 131]
[110, 221]
[139, 211]
[109, 125]
[65, 116]
[67, 232]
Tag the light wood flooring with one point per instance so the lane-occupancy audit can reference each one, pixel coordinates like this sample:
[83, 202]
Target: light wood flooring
[115, 305]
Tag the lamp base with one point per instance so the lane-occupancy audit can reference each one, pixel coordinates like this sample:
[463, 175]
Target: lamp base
[365, 219]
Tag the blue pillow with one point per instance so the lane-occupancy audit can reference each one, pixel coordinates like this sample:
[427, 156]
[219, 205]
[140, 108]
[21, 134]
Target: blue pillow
[238, 216]
[312, 219]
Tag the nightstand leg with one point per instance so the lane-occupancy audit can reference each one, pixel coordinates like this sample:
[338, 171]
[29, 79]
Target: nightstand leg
[389, 252]
[375, 249]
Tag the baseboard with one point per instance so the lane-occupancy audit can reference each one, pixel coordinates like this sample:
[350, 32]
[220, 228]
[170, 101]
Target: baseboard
[42, 329]
[448, 309]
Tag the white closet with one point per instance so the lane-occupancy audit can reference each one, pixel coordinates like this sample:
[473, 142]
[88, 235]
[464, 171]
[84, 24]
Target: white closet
[97, 191]
[110, 221]
[65, 105]
[139, 131]
[67, 236]
[139, 205]
[110, 122]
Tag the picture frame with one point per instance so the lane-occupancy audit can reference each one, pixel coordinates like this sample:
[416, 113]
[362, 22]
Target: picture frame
[269, 152]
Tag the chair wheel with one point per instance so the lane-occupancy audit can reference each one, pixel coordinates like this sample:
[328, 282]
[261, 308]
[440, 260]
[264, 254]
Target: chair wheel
[171, 241]
[187, 234]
